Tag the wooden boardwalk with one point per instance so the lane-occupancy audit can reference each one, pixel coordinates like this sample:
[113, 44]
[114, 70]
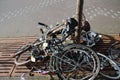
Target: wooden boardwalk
[8, 47]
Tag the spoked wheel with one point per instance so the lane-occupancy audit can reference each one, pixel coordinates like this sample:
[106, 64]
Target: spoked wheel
[77, 62]
[114, 51]
[22, 55]
[109, 68]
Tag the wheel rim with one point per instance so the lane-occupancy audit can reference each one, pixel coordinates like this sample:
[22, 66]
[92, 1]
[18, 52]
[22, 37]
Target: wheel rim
[78, 64]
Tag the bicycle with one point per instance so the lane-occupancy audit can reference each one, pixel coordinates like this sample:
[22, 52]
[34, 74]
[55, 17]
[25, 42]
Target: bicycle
[91, 39]
[54, 50]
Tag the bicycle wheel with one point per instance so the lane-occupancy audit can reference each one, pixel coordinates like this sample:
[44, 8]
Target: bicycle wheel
[109, 68]
[77, 62]
[114, 51]
[22, 55]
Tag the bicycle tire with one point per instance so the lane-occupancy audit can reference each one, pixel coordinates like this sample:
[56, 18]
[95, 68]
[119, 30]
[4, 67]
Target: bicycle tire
[22, 49]
[93, 56]
[110, 63]
[19, 53]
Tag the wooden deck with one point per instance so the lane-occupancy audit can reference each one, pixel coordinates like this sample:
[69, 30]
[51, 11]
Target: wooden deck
[8, 47]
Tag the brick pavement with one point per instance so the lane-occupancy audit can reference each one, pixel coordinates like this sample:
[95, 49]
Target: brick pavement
[21, 17]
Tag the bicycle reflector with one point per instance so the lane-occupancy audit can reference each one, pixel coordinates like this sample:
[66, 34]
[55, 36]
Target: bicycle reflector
[45, 45]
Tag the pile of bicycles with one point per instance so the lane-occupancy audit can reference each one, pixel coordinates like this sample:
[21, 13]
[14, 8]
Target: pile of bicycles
[69, 61]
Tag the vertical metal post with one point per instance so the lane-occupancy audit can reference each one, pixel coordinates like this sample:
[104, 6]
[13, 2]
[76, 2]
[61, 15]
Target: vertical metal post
[79, 11]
